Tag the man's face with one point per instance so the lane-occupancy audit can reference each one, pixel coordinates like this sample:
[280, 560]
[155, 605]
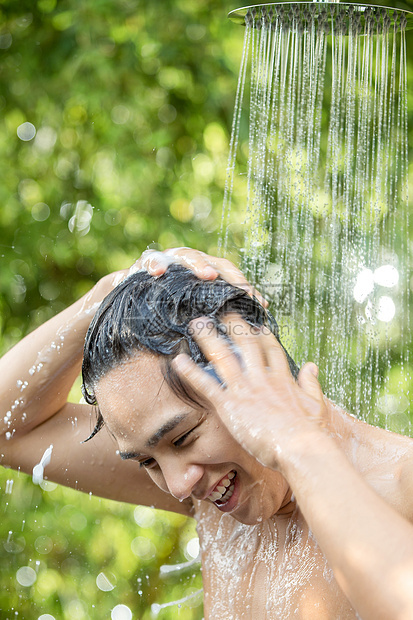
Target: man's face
[186, 449]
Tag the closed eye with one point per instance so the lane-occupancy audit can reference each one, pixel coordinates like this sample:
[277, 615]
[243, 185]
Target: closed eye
[178, 443]
[181, 440]
[148, 463]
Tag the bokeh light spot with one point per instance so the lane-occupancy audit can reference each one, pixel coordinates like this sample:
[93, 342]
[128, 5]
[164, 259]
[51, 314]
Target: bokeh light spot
[49, 290]
[167, 113]
[45, 139]
[47, 485]
[143, 548]
[120, 114]
[192, 548]
[103, 583]
[26, 131]
[78, 521]
[364, 285]
[43, 545]
[386, 275]
[144, 516]
[121, 612]
[40, 211]
[181, 210]
[5, 40]
[26, 576]
[195, 32]
[386, 309]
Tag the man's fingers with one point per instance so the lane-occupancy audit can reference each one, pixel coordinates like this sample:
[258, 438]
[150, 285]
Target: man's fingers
[155, 263]
[204, 266]
[200, 381]
[275, 355]
[247, 343]
[216, 349]
[209, 267]
[231, 274]
[307, 380]
[152, 261]
[195, 260]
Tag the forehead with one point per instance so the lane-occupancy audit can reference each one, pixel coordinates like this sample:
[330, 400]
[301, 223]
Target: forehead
[135, 398]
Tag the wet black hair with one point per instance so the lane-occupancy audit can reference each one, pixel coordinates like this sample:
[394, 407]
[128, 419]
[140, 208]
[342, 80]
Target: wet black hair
[146, 313]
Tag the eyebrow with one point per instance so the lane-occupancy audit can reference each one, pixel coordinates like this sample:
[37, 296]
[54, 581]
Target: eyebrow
[129, 455]
[157, 436]
[165, 429]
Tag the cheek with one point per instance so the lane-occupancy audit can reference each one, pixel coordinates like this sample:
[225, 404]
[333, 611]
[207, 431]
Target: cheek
[216, 433]
[157, 478]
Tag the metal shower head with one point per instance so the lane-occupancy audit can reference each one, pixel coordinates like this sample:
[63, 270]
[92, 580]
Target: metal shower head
[332, 17]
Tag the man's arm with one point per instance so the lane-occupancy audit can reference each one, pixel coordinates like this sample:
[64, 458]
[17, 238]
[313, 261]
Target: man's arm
[367, 543]
[37, 375]
[281, 422]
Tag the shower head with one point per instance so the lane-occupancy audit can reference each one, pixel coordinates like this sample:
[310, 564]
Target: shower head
[332, 17]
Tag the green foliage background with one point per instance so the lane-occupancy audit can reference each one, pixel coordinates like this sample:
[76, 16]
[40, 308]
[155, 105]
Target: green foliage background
[132, 103]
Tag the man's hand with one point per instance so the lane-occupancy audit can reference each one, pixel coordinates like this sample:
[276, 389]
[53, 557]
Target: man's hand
[264, 408]
[204, 267]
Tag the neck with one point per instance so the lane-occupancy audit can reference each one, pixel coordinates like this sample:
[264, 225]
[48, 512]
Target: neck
[288, 506]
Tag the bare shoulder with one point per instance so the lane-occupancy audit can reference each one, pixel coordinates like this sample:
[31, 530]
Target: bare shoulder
[388, 466]
[92, 467]
[397, 468]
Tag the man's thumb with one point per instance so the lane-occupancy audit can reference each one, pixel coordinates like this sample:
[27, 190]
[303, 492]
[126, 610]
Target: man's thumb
[307, 380]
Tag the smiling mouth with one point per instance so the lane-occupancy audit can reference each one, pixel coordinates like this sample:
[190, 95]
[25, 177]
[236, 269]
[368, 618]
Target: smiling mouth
[224, 489]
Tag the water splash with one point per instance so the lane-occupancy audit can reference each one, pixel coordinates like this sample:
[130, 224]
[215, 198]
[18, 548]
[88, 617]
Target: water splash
[38, 470]
[328, 197]
[156, 608]
[167, 569]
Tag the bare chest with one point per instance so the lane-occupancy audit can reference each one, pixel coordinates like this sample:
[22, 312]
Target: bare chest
[268, 571]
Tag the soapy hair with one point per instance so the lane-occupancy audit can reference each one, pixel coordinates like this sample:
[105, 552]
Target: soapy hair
[152, 314]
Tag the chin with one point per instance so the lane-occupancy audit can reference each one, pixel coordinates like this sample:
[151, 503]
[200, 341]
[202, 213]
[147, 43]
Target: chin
[253, 517]
[249, 520]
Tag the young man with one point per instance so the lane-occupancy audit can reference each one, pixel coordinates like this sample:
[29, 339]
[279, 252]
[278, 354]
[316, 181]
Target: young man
[255, 456]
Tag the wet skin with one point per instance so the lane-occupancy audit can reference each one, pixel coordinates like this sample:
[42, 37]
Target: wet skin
[185, 449]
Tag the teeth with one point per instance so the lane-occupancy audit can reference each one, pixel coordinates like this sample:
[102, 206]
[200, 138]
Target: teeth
[227, 495]
[214, 496]
[224, 491]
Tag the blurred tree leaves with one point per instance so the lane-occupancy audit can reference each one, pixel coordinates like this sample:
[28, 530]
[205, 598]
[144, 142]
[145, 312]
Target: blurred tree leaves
[76, 557]
[125, 99]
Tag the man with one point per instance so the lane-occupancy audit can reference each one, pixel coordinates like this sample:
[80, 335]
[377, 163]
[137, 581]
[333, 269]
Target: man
[260, 559]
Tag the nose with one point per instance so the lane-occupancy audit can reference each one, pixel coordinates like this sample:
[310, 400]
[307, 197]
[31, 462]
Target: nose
[181, 480]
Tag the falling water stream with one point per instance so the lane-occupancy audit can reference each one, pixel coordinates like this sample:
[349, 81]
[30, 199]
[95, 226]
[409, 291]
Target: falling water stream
[326, 224]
